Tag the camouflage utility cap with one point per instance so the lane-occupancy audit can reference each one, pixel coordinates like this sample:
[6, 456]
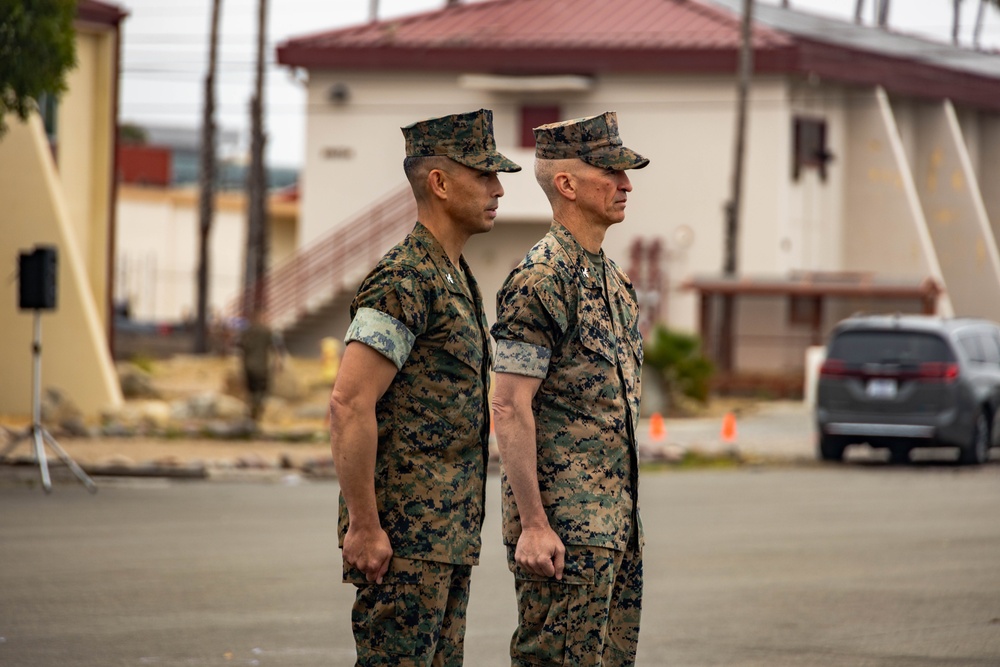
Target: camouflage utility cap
[466, 138]
[594, 140]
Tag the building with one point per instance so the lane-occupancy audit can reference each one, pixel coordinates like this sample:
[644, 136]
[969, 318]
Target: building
[58, 189]
[865, 154]
[157, 249]
[158, 222]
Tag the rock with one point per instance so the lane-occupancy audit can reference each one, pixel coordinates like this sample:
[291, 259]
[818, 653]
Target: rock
[229, 407]
[313, 412]
[285, 383]
[76, 427]
[202, 405]
[145, 413]
[57, 408]
[135, 382]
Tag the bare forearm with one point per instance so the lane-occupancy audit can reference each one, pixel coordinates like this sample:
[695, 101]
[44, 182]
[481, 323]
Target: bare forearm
[354, 442]
[515, 430]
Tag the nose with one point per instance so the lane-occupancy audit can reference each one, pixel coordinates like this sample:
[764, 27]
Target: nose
[495, 187]
[625, 184]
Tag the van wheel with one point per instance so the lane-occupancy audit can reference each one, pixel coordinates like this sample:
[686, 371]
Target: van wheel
[831, 448]
[978, 450]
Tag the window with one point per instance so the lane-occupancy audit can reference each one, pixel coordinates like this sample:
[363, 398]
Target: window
[970, 345]
[804, 309]
[532, 117]
[991, 351]
[809, 144]
[890, 347]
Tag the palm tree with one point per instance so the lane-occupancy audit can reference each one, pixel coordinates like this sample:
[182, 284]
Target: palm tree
[956, 6]
[980, 18]
[883, 13]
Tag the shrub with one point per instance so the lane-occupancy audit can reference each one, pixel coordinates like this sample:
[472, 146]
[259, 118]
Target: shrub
[681, 365]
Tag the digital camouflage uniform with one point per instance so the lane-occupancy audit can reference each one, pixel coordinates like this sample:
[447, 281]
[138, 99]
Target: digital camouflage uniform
[426, 315]
[560, 321]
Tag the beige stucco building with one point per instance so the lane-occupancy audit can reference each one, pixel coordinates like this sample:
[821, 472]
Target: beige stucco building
[157, 248]
[866, 154]
[63, 196]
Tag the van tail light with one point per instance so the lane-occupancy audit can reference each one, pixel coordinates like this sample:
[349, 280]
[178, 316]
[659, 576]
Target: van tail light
[833, 368]
[938, 371]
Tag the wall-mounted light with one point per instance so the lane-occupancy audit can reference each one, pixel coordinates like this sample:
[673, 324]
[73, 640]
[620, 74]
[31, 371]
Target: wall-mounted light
[339, 93]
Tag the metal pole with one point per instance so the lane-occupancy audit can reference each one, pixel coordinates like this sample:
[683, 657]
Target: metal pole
[36, 403]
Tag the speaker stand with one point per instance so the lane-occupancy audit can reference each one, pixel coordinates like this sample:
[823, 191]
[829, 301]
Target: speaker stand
[36, 433]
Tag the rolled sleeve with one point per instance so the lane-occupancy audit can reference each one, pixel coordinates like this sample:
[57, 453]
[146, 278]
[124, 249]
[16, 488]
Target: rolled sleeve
[522, 359]
[383, 333]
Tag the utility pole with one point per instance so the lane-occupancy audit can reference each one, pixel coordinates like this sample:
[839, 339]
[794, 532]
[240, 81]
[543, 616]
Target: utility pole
[257, 236]
[206, 184]
[883, 14]
[732, 208]
[977, 31]
[956, 15]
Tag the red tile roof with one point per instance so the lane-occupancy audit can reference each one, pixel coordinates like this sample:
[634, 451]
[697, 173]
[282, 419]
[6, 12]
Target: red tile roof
[588, 37]
[99, 12]
[527, 36]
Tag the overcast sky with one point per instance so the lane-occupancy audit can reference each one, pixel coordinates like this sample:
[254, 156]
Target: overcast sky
[165, 54]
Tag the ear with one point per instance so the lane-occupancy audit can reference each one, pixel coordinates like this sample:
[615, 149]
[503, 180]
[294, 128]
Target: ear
[565, 185]
[437, 183]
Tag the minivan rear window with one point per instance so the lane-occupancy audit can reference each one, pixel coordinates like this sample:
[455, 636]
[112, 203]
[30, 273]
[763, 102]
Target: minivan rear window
[889, 347]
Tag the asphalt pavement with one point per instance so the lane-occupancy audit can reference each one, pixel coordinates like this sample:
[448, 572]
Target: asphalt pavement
[858, 565]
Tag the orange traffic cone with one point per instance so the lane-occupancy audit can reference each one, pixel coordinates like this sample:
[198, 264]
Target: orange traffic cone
[657, 431]
[729, 428]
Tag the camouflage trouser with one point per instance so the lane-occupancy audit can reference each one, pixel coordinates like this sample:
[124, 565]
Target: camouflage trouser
[590, 617]
[414, 618]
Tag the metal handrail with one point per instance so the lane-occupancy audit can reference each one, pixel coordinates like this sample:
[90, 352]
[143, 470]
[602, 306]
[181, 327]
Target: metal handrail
[335, 262]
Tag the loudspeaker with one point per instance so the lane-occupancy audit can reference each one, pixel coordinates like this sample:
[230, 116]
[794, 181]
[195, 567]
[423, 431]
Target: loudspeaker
[37, 279]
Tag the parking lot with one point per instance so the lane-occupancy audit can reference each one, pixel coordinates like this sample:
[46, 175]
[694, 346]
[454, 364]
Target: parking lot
[861, 564]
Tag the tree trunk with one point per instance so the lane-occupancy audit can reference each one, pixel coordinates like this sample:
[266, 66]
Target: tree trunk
[956, 20]
[859, 7]
[883, 13]
[732, 209]
[257, 236]
[977, 32]
[206, 184]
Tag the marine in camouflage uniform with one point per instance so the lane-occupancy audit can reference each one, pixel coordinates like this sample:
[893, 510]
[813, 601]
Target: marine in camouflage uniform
[568, 360]
[409, 411]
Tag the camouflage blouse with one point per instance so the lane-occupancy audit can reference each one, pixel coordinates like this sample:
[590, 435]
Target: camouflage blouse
[417, 310]
[557, 322]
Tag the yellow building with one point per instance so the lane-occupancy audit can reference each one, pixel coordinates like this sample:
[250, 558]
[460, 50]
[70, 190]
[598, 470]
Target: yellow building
[58, 189]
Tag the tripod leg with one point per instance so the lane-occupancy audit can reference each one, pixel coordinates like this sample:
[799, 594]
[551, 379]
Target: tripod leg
[77, 470]
[43, 464]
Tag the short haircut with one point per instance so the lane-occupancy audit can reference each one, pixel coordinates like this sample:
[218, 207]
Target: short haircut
[416, 170]
[545, 174]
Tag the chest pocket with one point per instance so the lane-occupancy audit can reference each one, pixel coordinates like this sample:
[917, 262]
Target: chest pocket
[595, 330]
[464, 345]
